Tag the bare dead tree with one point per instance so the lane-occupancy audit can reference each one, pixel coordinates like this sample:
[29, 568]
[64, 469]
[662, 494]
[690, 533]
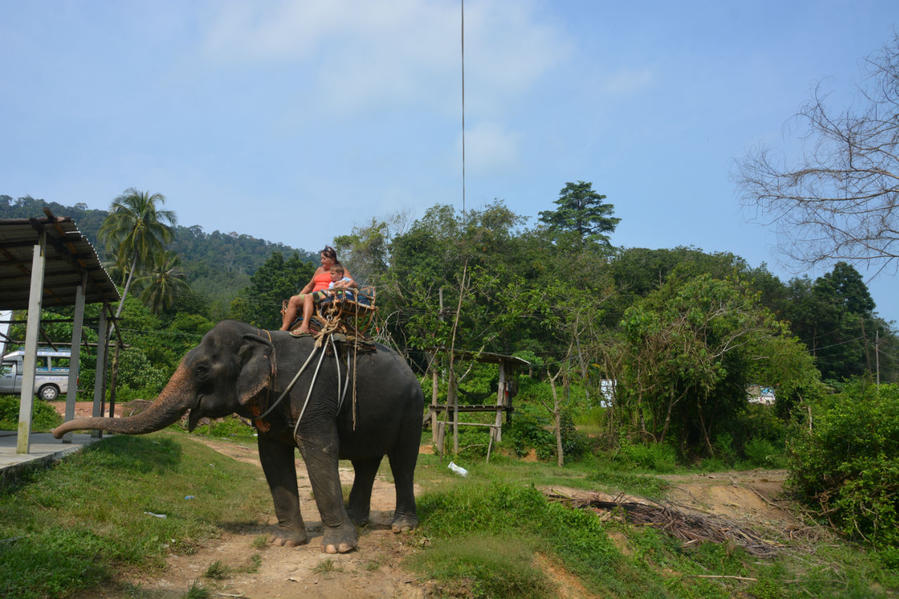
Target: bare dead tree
[840, 200]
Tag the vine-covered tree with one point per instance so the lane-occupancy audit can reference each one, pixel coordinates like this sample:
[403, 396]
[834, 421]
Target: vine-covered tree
[690, 350]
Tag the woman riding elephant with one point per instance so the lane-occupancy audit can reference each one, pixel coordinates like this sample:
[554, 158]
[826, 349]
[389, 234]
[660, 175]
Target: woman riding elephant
[321, 279]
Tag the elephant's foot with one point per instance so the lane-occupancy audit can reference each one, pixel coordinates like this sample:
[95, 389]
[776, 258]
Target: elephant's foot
[340, 539]
[404, 523]
[289, 537]
[358, 518]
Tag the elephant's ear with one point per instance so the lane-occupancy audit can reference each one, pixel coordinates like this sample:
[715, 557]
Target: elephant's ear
[255, 356]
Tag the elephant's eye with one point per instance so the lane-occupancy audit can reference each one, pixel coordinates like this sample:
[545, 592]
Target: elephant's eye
[202, 371]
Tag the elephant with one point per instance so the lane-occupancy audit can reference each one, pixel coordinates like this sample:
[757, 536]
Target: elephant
[238, 368]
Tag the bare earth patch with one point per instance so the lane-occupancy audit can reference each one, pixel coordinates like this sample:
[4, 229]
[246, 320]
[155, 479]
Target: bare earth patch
[754, 497]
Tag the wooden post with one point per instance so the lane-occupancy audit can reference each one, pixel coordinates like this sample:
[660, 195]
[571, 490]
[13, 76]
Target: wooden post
[453, 404]
[75, 359]
[35, 300]
[441, 437]
[434, 387]
[115, 376]
[496, 433]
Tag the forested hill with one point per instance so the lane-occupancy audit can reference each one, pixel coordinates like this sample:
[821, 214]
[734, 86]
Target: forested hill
[216, 265]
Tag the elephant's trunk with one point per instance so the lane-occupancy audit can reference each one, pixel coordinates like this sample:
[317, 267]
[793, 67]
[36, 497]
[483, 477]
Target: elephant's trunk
[169, 406]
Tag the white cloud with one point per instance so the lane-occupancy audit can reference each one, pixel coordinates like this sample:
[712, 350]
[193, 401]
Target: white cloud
[489, 148]
[358, 53]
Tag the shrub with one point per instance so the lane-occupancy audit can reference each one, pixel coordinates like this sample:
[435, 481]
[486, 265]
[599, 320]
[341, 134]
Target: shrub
[526, 432]
[762, 453]
[847, 466]
[658, 457]
[43, 418]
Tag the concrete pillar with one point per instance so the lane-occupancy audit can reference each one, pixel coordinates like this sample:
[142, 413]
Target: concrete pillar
[75, 361]
[100, 379]
[35, 300]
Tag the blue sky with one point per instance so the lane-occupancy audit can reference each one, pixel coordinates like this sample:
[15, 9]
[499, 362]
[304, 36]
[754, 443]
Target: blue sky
[295, 121]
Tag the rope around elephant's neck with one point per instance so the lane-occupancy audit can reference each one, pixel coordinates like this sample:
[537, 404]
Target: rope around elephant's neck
[296, 426]
[290, 385]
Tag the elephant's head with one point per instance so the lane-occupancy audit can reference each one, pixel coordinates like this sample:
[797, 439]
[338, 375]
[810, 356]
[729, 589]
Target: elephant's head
[231, 366]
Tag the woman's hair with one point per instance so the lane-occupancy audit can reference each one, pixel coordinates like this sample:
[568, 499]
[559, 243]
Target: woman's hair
[329, 252]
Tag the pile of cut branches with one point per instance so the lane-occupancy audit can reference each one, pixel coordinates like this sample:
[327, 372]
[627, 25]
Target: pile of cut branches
[687, 525]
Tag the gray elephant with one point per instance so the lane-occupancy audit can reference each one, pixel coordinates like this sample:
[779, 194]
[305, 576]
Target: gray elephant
[240, 369]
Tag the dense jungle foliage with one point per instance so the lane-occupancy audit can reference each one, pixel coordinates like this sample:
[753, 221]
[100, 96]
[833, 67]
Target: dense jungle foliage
[650, 352]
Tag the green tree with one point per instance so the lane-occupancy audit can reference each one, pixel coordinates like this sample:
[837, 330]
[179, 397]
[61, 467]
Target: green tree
[834, 317]
[690, 350]
[581, 212]
[136, 232]
[366, 251]
[275, 281]
[162, 282]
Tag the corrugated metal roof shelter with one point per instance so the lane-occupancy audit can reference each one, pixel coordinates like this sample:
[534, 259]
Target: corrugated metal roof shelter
[68, 256]
[48, 262]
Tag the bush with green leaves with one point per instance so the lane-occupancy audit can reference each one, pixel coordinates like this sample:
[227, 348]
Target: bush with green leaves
[657, 457]
[847, 466]
[43, 418]
[528, 432]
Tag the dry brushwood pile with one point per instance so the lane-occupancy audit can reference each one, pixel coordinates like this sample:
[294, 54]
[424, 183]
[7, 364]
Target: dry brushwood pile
[687, 525]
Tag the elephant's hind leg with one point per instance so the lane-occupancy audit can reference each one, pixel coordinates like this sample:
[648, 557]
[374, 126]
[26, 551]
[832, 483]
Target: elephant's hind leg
[360, 496]
[402, 464]
[280, 471]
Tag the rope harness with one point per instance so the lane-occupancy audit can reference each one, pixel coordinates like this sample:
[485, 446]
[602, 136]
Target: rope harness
[332, 328]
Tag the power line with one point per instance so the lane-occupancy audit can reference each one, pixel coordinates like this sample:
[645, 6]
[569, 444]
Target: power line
[462, 2]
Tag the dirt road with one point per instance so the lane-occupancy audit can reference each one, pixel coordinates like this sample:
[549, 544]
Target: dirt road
[373, 571]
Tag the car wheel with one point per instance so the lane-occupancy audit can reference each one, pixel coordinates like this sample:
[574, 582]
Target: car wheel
[48, 392]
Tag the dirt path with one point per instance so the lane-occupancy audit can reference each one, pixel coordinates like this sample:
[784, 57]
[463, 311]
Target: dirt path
[373, 571]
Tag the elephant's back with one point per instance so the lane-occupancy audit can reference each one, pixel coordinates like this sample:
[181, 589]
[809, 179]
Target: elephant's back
[388, 406]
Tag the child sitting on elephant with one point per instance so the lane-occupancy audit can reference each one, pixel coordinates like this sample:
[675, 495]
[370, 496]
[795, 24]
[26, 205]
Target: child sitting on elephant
[338, 281]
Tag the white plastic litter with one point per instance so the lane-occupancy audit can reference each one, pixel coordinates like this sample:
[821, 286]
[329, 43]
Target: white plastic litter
[163, 516]
[458, 469]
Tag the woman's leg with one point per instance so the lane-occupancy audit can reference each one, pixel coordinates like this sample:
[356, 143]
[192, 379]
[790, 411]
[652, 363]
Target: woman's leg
[293, 306]
[307, 312]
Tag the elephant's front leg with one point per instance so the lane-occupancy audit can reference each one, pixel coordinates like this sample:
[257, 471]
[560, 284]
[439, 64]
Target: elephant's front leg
[280, 471]
[319, 446]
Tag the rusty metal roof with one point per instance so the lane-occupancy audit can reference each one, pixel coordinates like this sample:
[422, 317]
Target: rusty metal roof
[68, 255]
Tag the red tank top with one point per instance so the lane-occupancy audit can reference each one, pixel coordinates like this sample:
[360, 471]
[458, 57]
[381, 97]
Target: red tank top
[321, 280]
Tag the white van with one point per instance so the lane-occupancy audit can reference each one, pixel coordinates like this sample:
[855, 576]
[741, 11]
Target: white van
[50, 378]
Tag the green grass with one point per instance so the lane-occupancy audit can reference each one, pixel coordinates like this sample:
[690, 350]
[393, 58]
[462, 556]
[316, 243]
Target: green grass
[217, 571]
[482, 536]
[76, 525]
[483, 565]
[70, 527]
[590, 473]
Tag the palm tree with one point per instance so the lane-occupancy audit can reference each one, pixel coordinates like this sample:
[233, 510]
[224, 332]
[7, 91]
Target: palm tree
[136, 232]
[162, 282]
